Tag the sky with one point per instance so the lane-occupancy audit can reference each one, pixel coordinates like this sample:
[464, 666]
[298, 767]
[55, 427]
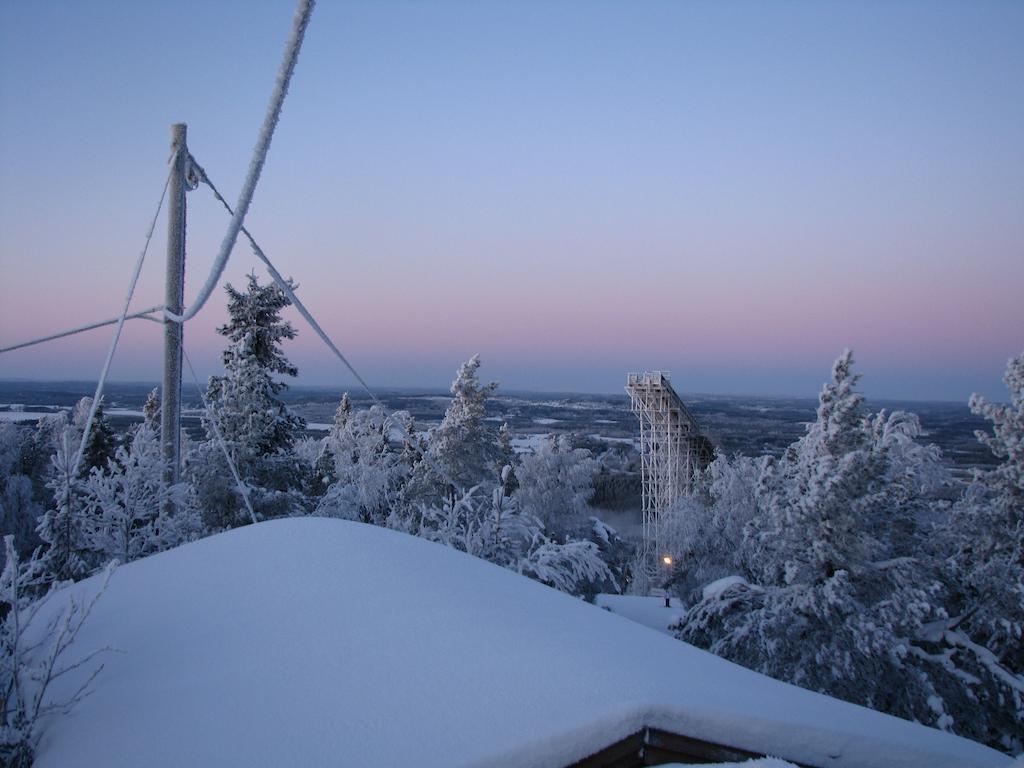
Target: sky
[733, 192]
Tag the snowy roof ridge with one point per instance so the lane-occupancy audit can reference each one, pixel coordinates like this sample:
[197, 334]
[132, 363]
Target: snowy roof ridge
[308, 641]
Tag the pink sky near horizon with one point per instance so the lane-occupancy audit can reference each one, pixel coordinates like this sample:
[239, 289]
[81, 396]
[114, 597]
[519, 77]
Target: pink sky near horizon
[764, 326]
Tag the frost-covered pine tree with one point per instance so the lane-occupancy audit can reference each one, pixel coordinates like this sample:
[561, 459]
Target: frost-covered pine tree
[832, 604]
[61, 528]
[462, 452]
[102, 441]
[990, 557]
[341, 416]
[245, 410]
[414, 445]
[555, 483]
[38, 449]
[151, 410]
[984, 538]
[323, 476]
[246, 400]
[506, 463]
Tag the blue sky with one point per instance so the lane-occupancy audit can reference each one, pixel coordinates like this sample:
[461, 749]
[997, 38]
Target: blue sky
[732, 191]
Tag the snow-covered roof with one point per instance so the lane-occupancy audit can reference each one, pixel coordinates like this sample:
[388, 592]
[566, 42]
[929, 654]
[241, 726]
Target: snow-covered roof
[322, 642]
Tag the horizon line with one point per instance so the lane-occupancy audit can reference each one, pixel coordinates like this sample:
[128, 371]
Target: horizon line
[359, 392]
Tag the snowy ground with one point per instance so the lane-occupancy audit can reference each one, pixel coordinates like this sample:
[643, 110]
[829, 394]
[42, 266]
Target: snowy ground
[23, 415]
[528, 443]
[321, 642]
[649, 611]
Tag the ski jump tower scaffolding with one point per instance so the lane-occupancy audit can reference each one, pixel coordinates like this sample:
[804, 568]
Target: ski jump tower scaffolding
[672, 453]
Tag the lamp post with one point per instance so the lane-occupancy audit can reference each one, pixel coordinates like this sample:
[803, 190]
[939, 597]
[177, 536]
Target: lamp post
[666, 560]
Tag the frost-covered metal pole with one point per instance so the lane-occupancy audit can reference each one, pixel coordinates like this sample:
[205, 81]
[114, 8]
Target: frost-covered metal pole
[170, 415]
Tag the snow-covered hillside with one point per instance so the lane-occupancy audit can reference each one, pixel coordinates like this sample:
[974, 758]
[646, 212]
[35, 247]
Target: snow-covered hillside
[323, 642]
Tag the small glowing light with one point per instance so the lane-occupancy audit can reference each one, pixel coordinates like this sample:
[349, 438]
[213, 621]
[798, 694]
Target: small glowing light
[667, 560]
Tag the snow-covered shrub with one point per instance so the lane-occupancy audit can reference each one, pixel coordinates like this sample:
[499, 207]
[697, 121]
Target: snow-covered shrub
[492, 527]
[33, 654]
[571, 566]
[368, 471]
[616, 553]
[482, 524]
[125, 514]
[555, 482]
[307, 450]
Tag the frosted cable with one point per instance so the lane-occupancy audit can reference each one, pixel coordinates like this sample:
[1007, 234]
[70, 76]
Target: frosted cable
[142, 315]
[242, 489]
[284, 286]
[120, 324]
[284, 75]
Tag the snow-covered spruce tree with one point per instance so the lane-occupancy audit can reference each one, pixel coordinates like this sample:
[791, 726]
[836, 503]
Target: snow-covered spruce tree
[341, 416]
[984, 542]
[102, 441]
[61, 528]
[151, 410]
[244, 406]
[832, 605]
[125, 518]
[462, 452]
[335, 436]
[33, 655]
[368, 470]
[991, 552]
[414, 445]
[507, 460]
[38, 449]
[323, 464]
[555, 483]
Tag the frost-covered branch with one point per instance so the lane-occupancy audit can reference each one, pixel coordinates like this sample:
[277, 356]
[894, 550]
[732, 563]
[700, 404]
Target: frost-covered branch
[987, 659]
[29, 665]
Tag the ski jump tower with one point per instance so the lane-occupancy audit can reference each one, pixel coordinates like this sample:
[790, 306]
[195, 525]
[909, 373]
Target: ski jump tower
[672, 453]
